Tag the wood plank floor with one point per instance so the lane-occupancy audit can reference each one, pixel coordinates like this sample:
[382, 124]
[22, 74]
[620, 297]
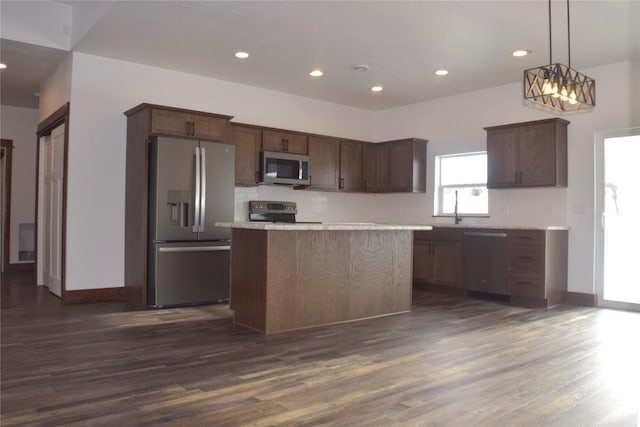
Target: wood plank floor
[452, 361]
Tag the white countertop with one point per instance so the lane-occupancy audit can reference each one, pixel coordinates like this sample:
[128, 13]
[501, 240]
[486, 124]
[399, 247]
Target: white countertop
[328, 226]
[343, 226]
[501, 227]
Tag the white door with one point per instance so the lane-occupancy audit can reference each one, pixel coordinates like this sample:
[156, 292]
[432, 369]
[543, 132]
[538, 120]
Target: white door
[618, 206]
[53, 186]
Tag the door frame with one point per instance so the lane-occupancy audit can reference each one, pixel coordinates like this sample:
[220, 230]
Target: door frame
[7, 144]
[599, 217]
[58, 117]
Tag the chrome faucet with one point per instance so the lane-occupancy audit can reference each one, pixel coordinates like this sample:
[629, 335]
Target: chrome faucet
[458, 218]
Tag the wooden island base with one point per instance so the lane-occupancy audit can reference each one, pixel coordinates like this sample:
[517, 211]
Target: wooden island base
[283, 280]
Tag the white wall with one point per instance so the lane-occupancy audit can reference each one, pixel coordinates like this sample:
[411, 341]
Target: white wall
[102, 89]
[455, 124]
[20, 124]
[56, 90]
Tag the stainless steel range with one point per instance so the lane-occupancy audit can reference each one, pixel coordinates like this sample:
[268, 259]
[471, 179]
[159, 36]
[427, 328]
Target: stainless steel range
[271, 211]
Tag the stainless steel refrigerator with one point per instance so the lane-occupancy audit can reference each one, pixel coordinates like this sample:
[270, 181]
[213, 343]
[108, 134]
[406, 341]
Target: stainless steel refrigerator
[191, 188]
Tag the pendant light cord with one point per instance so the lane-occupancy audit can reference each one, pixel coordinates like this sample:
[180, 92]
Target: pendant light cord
[550, 46]
[568, 34]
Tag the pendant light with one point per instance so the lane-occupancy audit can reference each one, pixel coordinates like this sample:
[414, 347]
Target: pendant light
[558, 87]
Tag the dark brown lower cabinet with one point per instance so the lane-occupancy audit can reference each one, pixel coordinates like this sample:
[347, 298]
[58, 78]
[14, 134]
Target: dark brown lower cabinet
[538, 266]
[536, 263]
[437, 258]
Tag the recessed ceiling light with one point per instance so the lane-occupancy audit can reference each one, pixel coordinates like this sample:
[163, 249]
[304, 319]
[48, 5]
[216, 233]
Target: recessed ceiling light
[441, 72]
[3, 66]
[316, 73]
[376, 89]
[521, 52]
[242, 55]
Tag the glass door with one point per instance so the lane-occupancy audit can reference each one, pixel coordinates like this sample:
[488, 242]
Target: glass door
[618, 208]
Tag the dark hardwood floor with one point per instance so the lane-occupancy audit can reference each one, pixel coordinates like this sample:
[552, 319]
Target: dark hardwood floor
[452, 361]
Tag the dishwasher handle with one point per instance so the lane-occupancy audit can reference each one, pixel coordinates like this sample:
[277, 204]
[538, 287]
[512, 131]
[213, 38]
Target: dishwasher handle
[485, 234]
[194, 248]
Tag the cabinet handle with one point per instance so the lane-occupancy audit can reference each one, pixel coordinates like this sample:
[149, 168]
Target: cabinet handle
[188, 131]
[525, 238]
[527, 258]
[286, 141]
[341, 184]
[193, 128]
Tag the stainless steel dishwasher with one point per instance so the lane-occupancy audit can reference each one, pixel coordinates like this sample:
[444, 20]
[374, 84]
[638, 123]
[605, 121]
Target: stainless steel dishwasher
[484, 262]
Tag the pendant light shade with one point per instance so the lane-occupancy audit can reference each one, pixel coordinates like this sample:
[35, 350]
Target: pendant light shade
[558, 87]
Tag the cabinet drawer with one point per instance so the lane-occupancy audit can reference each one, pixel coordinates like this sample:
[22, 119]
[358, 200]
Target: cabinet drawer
[526, 237]
[527, 258]
[528, 286]
[446, 234]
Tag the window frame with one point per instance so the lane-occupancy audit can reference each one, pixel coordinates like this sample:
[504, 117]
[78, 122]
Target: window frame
[439, 188]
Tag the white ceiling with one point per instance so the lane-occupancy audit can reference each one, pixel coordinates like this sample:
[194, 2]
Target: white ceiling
[402, 42]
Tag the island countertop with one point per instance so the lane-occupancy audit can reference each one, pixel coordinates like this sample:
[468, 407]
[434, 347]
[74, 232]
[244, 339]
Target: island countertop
[327, 226]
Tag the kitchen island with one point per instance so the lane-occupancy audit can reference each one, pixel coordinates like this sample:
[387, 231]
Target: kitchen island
[294, 276]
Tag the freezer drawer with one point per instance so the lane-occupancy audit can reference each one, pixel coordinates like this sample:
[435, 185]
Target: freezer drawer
[189, 273]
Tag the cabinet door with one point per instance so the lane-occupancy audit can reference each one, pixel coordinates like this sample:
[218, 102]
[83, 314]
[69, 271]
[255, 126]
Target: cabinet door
[501, 158]
[297, 144]
[324, 163]
[448, 263]
[168, 122]
[247, 142]
[351, 165]
[376, 167]
[273, 141]
[283, 141]
[207, 127]
[537, 155]
[423, 262]
[400, 166]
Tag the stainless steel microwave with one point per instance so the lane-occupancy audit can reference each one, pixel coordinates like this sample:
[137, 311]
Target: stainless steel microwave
[284, 168]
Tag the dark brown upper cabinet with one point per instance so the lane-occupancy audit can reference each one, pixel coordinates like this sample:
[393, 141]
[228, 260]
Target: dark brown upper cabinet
[290, 142]
[376, 167]
[530, 154]
[396, 166]
[351, 165]
[407, 165]
[175, 122]
[247, 140]
[324, 163]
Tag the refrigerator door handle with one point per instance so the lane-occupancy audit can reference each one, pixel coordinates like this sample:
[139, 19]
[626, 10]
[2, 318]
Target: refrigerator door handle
[194, 248]
[196, 211]
[203, 187]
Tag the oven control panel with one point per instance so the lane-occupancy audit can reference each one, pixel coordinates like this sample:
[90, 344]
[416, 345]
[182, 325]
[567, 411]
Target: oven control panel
[267, 206]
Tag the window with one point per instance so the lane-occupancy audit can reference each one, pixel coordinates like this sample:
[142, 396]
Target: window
[465, 174]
